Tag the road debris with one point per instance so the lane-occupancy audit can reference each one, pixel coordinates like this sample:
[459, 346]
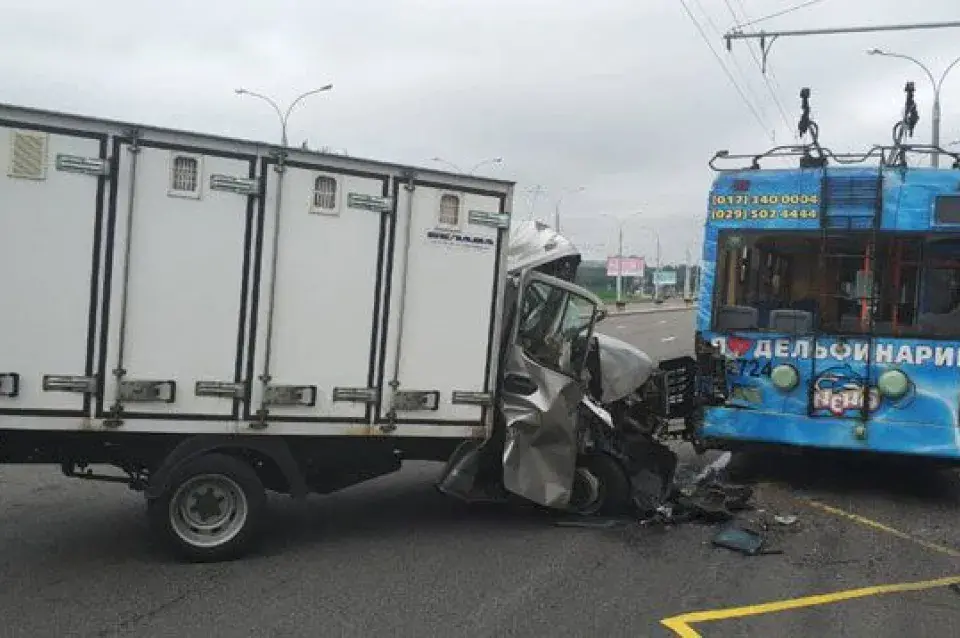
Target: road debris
[786, 519]
[740, 540]
[665, 494]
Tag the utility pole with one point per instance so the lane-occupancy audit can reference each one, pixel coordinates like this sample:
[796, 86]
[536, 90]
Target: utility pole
[556, 210]
[686, 274]
[767, 38]
[620, 264]
[535, 190]
[656, 287]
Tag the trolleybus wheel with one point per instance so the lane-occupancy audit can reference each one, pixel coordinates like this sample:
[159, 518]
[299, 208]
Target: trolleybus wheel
[211, 509]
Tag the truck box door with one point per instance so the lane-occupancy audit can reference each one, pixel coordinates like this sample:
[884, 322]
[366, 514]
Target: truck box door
[176, 284]
[438, 359]
[315, 332]
[51, 204]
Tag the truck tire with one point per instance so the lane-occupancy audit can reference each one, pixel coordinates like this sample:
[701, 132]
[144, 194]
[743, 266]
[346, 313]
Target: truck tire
[211, 510]
[601, 486]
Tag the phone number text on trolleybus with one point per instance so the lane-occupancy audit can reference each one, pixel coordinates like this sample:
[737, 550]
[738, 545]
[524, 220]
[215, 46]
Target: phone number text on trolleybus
[741, 207]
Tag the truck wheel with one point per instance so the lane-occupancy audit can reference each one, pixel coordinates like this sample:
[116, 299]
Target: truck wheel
[211, 510]
[600, 486]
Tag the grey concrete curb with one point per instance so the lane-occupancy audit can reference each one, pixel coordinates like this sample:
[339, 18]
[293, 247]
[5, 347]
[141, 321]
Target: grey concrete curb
[647, 311]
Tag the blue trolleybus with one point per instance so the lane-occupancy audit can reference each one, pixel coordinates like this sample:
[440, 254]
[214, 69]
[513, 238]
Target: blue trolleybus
[830, 299]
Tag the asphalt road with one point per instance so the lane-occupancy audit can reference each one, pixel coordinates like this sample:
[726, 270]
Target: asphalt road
[394, 557]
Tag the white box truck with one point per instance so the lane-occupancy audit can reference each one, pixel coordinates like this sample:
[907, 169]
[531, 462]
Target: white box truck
[219, 318]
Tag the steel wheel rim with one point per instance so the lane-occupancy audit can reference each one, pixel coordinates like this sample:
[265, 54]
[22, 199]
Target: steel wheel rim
[587, 481]
[208, 510]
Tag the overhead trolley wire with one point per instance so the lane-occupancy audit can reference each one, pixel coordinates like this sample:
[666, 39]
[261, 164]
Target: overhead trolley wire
[723, 66]
[766, 80]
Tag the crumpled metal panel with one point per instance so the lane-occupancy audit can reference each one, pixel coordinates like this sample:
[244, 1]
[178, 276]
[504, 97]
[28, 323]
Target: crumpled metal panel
[534, 244]
[540, 451]
[624, 368]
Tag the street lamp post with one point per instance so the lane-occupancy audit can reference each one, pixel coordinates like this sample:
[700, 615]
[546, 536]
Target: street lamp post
[280, 169]
[283, 116]
[937, 85]
[556, 212]
[493, 160]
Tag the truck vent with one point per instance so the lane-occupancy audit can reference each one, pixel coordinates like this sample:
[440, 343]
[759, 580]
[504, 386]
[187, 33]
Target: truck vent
[28, 155]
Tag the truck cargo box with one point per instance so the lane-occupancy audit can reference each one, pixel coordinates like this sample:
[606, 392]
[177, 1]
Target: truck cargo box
[166, 281]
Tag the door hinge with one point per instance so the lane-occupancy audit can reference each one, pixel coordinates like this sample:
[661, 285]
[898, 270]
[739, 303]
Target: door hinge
[69, 383]
[240, 185]
[355, 395]
[83, 165]
[375, 203]
[416, 401]
[462, 397]
[148, 391]
[303, 395]
[222, 389]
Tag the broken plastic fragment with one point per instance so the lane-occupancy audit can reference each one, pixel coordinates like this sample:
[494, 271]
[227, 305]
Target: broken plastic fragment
[739, 540]
[712, 470]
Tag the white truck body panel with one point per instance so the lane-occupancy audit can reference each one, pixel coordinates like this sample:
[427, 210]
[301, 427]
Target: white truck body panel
[175, 285]
[449, 317]
[49, 229]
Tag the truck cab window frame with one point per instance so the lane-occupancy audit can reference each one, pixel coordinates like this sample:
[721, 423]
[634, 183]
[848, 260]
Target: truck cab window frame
[554, 326]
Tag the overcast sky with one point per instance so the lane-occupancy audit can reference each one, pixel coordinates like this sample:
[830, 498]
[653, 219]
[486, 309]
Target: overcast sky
[621, 97]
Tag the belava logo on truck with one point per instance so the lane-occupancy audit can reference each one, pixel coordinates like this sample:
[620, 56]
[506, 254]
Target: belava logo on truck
[461, 239]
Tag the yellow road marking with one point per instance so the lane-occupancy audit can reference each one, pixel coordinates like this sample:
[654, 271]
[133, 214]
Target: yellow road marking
[681, 624]
[881, 527]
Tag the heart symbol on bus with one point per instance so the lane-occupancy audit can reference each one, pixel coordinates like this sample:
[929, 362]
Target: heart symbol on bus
[739, 346]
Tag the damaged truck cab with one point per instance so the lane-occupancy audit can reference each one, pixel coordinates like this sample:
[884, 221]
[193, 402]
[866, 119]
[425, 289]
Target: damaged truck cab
[581, 416]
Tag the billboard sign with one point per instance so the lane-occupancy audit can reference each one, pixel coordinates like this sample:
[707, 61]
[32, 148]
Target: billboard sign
[665, 278]
[631, 266]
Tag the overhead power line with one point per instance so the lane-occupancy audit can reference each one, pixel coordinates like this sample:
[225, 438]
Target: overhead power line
[767, 81]
[748, 87]
[723, 66]
[784, 12]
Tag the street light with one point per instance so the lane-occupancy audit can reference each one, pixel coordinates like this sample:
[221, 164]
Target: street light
[494, 160]
[283, 116]
[556, 212]
[935, 162]
[274, 258]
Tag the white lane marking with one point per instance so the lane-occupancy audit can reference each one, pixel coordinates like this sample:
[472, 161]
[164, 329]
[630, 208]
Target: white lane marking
[663, 321]
[667, 339]
[620, 327]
